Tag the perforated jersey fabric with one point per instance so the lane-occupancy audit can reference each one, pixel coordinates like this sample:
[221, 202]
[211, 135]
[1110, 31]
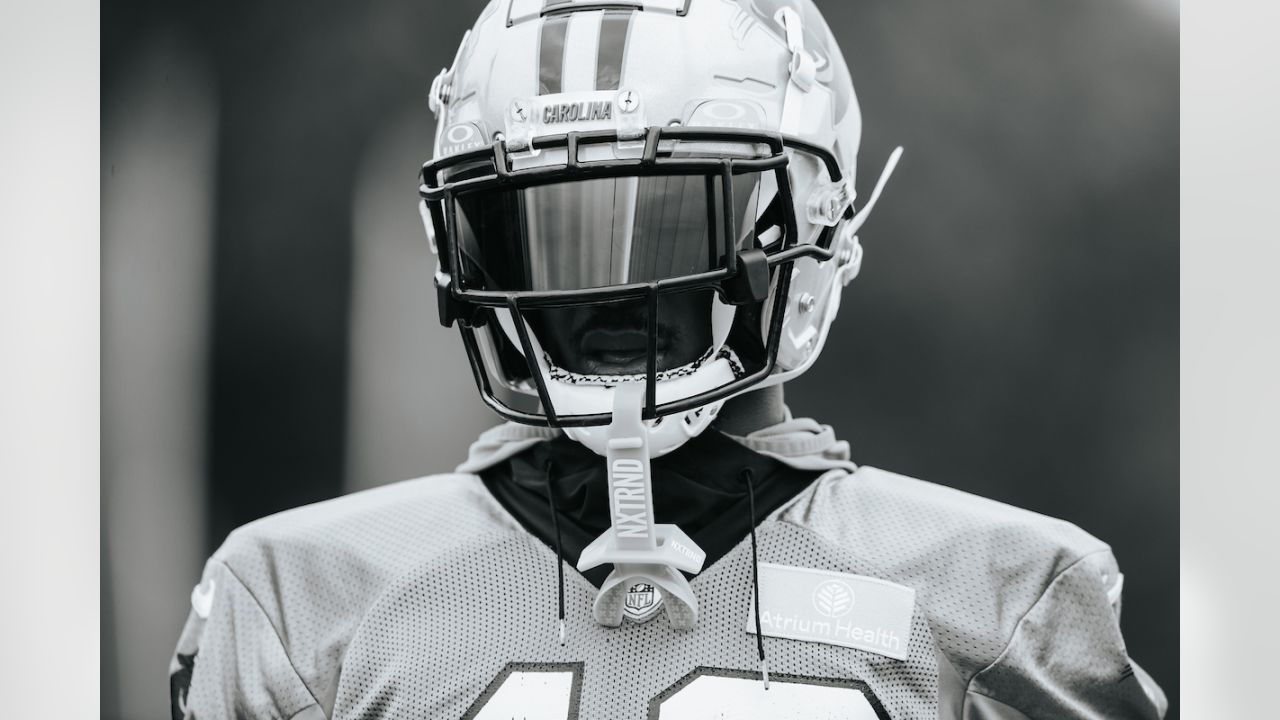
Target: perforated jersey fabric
[424, 599]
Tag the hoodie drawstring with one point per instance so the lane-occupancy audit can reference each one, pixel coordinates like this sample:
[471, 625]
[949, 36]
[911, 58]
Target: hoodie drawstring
[555, 524]
[748, 476]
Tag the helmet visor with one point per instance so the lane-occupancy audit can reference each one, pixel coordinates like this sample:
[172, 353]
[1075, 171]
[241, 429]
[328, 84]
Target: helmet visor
[605, 232]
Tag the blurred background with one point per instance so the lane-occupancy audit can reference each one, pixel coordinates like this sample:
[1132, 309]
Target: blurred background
[270, 334]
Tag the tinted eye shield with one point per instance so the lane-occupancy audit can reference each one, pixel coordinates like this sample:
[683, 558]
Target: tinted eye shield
[744, 276]
[737, 281]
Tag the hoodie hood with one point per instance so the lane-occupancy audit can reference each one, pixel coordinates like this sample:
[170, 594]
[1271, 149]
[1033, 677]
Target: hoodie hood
[801, 443]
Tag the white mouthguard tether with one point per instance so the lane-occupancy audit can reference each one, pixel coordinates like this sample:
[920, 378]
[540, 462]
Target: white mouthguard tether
[640, 550]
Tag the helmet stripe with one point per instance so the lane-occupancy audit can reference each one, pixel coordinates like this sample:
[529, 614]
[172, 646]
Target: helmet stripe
[614, 30]
[551, 54]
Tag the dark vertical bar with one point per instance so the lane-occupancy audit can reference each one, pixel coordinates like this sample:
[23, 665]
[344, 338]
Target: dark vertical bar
[571, 150]
[709, 187]
[651, 371]
[782, 277]
[526, 345]
[730, 222]
[614, 30]
[500, 166]
[281, 265]
[473, 359]
[789, 208]
[455, 243]
[782, 273]
[551, 54]
[651, 145]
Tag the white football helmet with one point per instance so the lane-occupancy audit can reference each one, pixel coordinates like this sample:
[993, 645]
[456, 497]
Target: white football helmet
[621, 163]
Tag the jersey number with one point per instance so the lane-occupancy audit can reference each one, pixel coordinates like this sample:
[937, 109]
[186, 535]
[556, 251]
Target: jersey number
[533, 691]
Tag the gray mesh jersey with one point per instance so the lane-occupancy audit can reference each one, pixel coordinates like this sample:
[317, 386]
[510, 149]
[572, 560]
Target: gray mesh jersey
[425, 599]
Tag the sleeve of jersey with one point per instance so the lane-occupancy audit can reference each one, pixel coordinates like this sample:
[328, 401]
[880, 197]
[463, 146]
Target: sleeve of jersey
[1066, 658]
[230, 662]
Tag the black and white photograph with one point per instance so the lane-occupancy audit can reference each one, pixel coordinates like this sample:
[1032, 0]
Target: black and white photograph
[666, 359]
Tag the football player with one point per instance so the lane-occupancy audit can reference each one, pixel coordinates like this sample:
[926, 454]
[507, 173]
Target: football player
[644, 215]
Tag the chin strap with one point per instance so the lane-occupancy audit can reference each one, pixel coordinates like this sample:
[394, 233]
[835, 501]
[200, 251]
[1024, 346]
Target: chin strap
[885, 174]
[640, 550]
[849, 248]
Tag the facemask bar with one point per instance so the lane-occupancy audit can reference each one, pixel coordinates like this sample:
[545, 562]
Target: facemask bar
[749, 276]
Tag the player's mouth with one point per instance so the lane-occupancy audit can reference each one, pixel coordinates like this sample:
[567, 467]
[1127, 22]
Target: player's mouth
[620, 350]
[613, 339]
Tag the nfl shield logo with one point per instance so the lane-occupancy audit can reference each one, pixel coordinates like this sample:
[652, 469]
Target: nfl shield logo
[642, 603]
[640, 597]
